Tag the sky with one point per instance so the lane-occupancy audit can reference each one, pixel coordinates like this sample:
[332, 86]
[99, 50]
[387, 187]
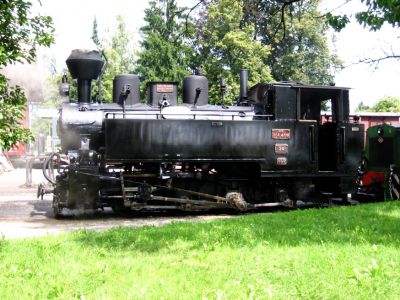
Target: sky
[354, 43]
[73, 21]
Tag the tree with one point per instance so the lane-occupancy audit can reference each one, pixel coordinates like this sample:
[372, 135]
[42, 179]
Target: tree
[119, 53]
[95, 34]
[362, 107]
[284, 37]
[166, 52]
[387, 104]
[298, 39]
[20, 34]
[376, 14]
[373, 17]
[379, 12]
[225, 46]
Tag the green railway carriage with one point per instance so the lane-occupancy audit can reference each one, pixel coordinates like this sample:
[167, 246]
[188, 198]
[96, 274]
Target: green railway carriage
[378, 173]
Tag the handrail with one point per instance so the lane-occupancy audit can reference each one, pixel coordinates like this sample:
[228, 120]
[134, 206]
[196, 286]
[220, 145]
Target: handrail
[311, 149]
[343, 146]
[160, 115]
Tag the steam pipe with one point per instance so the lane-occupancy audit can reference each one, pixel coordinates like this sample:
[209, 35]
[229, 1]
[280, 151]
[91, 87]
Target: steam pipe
[244, 76]
[84, 90]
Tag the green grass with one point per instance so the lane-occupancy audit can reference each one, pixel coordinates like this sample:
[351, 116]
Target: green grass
[339, 253]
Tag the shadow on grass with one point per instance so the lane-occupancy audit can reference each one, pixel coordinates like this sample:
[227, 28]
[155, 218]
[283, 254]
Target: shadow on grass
[364, 224]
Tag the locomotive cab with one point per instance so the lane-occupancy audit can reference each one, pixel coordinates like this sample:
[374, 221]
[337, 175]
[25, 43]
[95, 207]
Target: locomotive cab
[338, 142]
[328, 107]
[311, 134]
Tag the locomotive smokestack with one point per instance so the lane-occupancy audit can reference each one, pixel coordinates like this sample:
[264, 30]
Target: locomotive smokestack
[84, 65]
[244, 76]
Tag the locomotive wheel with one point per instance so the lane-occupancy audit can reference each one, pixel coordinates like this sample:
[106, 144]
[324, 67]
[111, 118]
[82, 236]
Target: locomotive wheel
[121, 210]
[57, 209]
[394, 183]
[57, 213]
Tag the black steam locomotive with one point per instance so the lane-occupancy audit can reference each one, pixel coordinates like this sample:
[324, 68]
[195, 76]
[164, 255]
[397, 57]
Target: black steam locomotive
[273, 147]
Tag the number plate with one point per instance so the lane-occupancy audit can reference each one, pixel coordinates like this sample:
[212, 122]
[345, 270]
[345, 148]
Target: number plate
[281, 148]
[280, 134]
[165, 88]
[281, 161]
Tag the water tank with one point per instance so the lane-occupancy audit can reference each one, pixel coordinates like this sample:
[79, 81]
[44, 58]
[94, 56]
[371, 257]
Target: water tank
[120, 85]
[195, 90]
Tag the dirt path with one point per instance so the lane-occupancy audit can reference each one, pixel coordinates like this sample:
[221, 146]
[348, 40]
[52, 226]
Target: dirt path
[23, 216]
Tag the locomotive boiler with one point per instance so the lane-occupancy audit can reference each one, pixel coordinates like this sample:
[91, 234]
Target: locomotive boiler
[273, 147]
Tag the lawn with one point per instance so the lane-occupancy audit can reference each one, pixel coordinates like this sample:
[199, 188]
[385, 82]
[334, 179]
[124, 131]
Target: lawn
[338, 253]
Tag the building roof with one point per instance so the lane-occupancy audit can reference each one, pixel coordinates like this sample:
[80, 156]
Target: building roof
[309, 86]
[376, 114]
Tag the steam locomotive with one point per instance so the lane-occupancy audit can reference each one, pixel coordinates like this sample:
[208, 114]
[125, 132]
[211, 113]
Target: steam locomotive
[273, 147]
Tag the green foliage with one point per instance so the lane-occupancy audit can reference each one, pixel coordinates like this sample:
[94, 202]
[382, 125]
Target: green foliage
[51, 92]
[387, 104]
[297, 37]
[95, 34]
[362, 107]
[225, 46]
[12, 108]
[52, 98]
[20, 33]
[304, 56]
[377, 13]
[337, 22]
[281, 255]
[166, 54]
[119, 52]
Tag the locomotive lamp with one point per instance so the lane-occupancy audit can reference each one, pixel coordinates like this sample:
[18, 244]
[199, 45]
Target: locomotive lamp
[223, 87]
[64, 86]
